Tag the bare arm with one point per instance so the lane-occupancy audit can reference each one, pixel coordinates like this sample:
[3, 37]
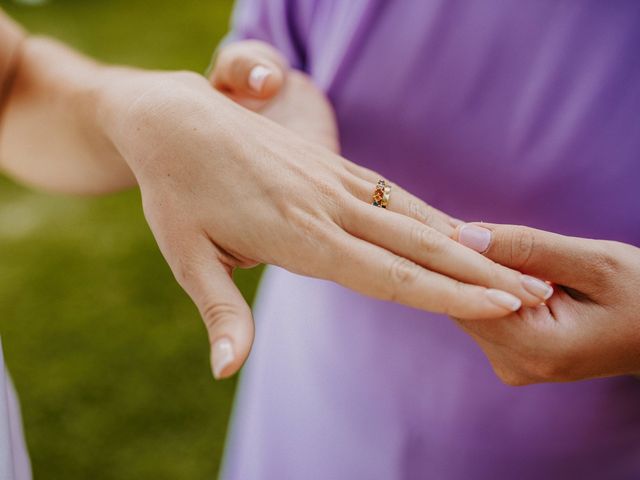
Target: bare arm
[50, 135]
[11, 37]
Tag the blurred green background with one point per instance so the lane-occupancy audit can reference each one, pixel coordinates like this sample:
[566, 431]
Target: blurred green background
[108, 354]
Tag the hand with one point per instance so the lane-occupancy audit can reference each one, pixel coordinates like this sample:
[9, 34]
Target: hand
[224, 188]
[255, 75]
[589, 328]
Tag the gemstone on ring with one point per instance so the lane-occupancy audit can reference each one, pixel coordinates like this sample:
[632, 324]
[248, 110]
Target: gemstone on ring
[381, 194]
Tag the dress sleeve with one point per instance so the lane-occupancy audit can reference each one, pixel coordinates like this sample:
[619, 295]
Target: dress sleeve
[10, 37]
[277, 22]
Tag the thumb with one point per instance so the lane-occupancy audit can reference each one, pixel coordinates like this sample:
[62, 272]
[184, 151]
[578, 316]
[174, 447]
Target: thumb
[225, 313]
[550, 256]
[245, 71]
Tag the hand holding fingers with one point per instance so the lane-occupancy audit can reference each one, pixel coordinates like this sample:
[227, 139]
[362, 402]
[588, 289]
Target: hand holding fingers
[560, 341]
[255, 191]
[249, 70]
[577, 263]
[587, 329]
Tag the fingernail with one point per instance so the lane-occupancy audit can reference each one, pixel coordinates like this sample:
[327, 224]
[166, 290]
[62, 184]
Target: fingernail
[537, 287]
[222, 356]
[474, 237]
[504, 299]
[257, 77]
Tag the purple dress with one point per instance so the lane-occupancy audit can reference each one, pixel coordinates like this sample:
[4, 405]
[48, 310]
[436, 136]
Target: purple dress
[506, 111]
[14, 460]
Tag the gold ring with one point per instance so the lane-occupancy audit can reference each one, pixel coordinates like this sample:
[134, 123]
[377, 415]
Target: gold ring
[382, 194]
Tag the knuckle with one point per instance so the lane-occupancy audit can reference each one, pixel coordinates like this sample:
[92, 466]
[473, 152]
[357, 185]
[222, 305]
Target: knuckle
[451, 305]
[215, 314]
[401, 272]
[511, 377]
[605, 261]
[522, 247]
[308, 225]
[420, 211]
[238, 67]
[314, 234]
[331, 194]
[426, 239]
[510, 372]
[221, 59]
[548, 370]
[185, 273]
[342, 211]
[497, 275]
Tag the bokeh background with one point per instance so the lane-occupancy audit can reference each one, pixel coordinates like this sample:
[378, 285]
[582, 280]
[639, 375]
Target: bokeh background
[108, 354]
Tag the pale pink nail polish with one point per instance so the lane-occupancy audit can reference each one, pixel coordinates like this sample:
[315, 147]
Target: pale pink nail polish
[537, 287]
[257, 77]
[221, 356]
[474, 237]
[504, 299]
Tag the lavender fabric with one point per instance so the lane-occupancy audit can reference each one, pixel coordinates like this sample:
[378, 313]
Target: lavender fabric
[507, 111]
[14, 461]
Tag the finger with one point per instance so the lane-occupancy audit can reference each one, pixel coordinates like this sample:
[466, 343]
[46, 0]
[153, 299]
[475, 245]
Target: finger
[376, 272]
[249, 69]
[568, 261]
[428, 247]
[363, 184]
[226, 315]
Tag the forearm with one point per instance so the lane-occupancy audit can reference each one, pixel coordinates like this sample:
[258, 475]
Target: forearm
[11, 37]
[50, 131]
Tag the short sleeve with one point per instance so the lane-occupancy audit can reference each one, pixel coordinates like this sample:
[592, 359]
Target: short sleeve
[276, 22]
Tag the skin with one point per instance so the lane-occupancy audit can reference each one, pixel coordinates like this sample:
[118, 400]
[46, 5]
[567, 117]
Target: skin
[589, 328]
[223, 187]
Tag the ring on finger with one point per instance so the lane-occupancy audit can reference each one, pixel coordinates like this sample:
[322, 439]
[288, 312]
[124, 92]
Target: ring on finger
[381, 194]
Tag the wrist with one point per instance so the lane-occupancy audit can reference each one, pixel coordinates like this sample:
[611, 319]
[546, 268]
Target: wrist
[54, 98]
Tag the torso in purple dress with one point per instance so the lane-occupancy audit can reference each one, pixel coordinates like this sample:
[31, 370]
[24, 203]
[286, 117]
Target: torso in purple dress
[506, 111]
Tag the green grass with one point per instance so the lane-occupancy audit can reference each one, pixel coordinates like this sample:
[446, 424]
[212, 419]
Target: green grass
[108, 354]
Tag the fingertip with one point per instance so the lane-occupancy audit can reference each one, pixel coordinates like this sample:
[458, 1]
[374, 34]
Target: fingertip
[539, 288]
[258, 77]
[503, 299]
[265, 80]
[274, 84]
[222, 358]
[231, 342]
[474, 237]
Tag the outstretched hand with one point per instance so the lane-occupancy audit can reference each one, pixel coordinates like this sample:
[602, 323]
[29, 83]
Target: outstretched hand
[224, 188]
[589, 328]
